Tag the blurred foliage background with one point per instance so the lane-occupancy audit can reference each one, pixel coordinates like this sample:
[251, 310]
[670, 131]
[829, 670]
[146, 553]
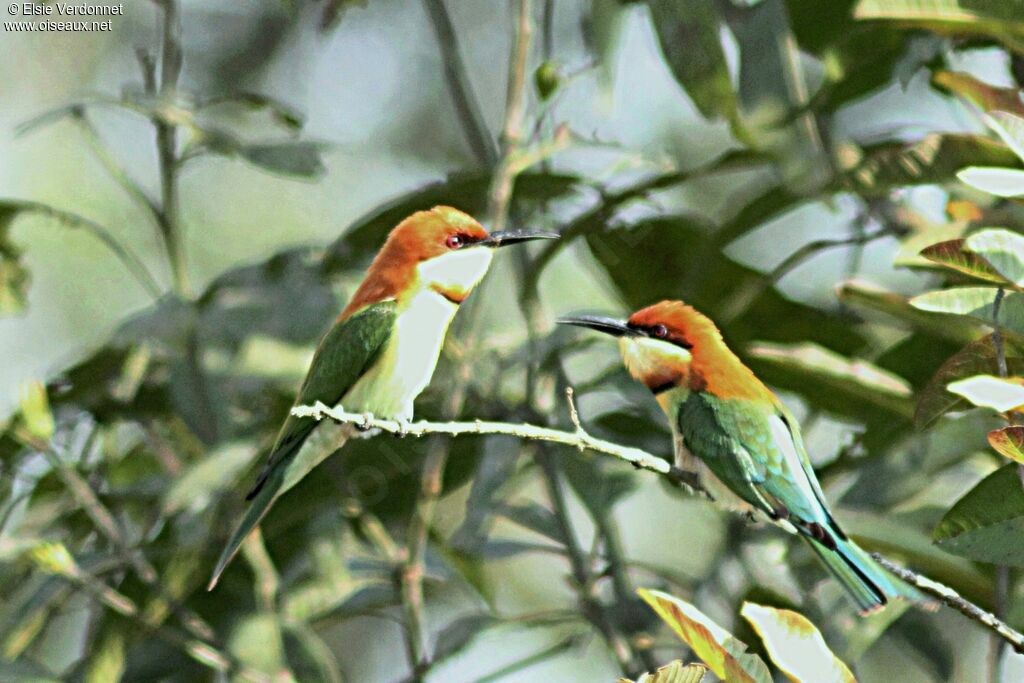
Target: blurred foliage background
[186, 202]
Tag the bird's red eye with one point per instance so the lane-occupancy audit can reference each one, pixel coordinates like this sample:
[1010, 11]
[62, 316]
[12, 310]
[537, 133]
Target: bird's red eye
[659, 331]
[453, 241]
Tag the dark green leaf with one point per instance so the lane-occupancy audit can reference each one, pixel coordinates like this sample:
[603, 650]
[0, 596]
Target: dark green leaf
[295, 158]
[978, 357]
[988, 522]
[688, 31]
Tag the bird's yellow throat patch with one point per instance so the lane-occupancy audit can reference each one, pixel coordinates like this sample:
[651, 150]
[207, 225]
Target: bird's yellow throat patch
[654, 362]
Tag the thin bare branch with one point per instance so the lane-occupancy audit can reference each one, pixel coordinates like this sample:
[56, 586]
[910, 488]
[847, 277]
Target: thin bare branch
[580, 439]
[951, 598]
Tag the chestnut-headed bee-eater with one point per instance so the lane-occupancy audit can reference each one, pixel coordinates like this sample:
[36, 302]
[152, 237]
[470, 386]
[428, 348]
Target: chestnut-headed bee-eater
[733, 431]
[381, 351]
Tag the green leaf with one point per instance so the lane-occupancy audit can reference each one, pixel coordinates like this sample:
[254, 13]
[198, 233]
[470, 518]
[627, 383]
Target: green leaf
[795, 645]
[1002, 182]
[196, 488]
[1008, 441]
[725, 656]
[947, 326]
[987, 524]
[1010, 128]
[673, 672]
[688, 31]
[533, 517]
[954, 254]
[978, 357]
[1003, 249]
[976, 302]
[258, 641]
[300, 158]
[987, 391]
[14, 278]
[107, 654]
[844, 378]
[280, 112]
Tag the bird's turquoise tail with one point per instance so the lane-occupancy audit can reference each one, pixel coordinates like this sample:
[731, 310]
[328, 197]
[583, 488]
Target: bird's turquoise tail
[867, 583]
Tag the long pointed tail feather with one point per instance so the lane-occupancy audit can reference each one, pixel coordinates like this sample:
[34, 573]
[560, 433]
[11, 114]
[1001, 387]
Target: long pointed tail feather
[867, 583]
[290, 465]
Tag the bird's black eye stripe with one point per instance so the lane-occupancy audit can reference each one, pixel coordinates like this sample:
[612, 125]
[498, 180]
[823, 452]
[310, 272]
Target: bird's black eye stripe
[661, 332]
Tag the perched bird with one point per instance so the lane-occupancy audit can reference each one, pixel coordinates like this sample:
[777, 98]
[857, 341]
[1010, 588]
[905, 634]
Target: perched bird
[733, 431]
[381, 351]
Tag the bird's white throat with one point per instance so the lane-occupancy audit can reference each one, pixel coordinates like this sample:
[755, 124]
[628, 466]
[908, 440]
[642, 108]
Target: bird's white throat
[456, 271]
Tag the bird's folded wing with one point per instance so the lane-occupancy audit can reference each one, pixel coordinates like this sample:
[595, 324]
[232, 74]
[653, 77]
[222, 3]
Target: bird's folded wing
[345, 353]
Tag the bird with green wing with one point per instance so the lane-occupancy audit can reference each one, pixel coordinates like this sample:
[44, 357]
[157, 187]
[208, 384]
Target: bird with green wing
[737, 435]
[382, 350]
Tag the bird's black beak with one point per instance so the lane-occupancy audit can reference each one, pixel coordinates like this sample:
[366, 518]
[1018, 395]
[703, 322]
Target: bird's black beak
[504, 238]
[615, 328]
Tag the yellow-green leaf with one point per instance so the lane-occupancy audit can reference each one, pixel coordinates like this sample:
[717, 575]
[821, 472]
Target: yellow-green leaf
[1003, 250]
[1008, 441]
[673, 672]
[725, 656]
[1010, 128]
[796, 646]
[35, 418]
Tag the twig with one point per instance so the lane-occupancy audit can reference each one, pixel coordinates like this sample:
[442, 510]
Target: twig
[123, 252]
[597, 216]
[166, 143]
[589, 604]
[433, 467]
[952, 599]
[515, 109]
[580, 440]
[200, 649]
[1002, 572]
[466, 105]
[746, 299]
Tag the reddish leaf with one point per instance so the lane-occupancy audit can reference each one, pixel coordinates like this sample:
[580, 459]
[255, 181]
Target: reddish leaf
[954, 254]
[1008, 441]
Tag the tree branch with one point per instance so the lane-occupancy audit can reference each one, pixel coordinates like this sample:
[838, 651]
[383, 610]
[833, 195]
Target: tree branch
[499, 197]
[580, 439]
[643, 460]
[951, 598]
